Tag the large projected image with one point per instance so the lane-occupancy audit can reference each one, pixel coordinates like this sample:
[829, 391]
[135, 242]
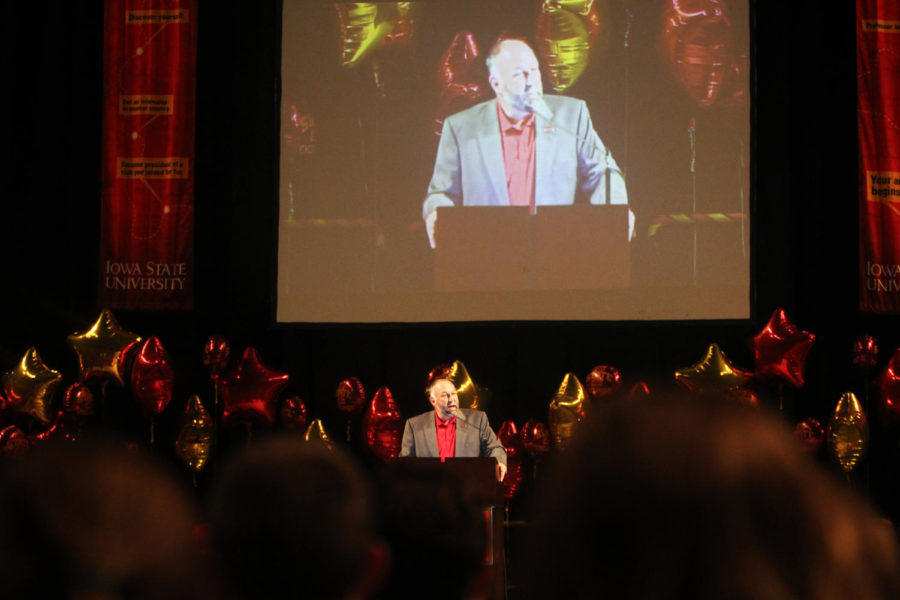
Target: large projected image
[484, 160]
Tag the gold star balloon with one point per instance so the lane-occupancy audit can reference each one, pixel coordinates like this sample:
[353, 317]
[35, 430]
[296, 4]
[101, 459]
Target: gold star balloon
[566, 410]
[712, 375]
[465, 387]
[29, 387]
[848, 432]
[101, 349]
[195, 435]
[316, 433]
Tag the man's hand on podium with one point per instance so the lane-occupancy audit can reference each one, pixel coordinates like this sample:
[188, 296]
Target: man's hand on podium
[501, 471]
[430, 220]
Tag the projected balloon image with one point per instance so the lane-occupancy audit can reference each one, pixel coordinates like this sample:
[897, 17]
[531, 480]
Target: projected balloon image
[566, 35]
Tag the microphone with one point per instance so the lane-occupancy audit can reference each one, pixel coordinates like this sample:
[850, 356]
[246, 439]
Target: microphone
[540, 108]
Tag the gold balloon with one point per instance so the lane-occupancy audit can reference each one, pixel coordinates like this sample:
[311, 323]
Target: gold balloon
[566, 410]
[364, 26]
[465, 387]
[566, 35]
[712, 375]
[195, 435]
[848, 432]
[100, 349]
[29, 387]
[316, 433]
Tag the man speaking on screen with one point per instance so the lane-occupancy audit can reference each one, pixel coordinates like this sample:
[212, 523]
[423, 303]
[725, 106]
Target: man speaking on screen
[522, 148]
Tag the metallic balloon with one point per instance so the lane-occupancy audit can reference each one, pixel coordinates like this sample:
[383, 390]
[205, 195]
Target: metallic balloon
[638, 391]
[250, 392]
[383, 426]
[466, 389]
[865, 353]
[565, 40]
[512, 443]
[364, 26]
[602, 381]
[101, 349]
[811, 435]
[215, 356]
[714, 374]
[566, 410]
[848, 432]
[743, 396]
[459, 78]
[152, 377]
[13, 441]
[698, 46]
[316, 433]
[350, 395]
[293, 414]
[535, 438]
[195, 435]
[79, 402]
[888, 385]
[29, 387]
[780, 349]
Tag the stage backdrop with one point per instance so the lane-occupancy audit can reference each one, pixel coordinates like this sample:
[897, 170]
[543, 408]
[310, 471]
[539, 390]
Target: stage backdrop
[147, 214]
[878, 64]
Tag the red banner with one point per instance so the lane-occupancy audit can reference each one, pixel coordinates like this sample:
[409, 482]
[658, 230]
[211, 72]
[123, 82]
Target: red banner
[147, 211]
[878, 62]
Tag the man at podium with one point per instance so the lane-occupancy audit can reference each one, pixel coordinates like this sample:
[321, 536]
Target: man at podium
[521, 148]
[450, 431]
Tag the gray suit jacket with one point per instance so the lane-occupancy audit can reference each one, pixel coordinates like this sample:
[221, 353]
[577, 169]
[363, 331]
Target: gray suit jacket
[569, 158]
[474, 436]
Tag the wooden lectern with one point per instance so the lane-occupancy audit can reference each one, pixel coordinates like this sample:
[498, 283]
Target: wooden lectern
[479, 479]
[496, 248]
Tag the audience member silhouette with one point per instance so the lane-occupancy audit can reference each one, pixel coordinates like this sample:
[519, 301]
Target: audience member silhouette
[672, 498]
[95, 520]
[290, 518]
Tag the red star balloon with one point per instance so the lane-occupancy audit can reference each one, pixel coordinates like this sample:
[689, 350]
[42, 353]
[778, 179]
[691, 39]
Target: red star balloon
[152, 377]
[101, 349]
[250, 392]
[383, 426]
[888, 384]
[780, 349]
[712, 375]
[512, 443]
[29, 387]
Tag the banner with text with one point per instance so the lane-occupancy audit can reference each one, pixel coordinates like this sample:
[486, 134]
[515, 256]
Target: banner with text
[878, 118]
[147, 210]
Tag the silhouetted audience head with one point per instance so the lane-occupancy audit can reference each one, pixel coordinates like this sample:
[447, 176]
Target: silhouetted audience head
[95, 520]
[436, 531]
[688, 498]
[291, 518]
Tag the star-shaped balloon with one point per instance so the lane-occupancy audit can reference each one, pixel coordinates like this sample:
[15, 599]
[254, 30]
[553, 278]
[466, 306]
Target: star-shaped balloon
[29, 387]
[101, 349]
[848, 432]
[383, 426]
[566, 410]
[712, 375]
[250, 392]
[780, 349]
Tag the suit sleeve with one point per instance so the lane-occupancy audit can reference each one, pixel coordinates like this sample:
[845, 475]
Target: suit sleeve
[445, 188]
[490, 444]
[598, 173]
[408, 445]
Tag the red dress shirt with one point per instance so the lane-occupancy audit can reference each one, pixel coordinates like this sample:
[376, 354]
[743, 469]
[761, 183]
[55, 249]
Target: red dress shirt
[518, 158]
[446, 436]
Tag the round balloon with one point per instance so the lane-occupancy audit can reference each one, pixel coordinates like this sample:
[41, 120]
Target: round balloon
[350, 395]
[152, 377]
[383, 426]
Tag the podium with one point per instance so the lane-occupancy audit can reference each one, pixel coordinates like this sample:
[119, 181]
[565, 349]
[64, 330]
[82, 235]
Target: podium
[478, 477]
[497, 248]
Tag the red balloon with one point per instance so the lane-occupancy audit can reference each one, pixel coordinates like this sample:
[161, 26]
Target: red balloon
[13, 441]
[602, 381]
[215, 356]
[78, 401]
[250, 391]
[865, 352]
[293, 414]
[383, 426]
[61, 428]
[512, 443]
[152, 377]
[780, 349]
[535, 438]
[743, 396]
[888, 384]
[638, 391]
[350, 395]
[811, 435]
[459, 80]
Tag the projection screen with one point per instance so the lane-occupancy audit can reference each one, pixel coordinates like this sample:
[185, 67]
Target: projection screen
[634, 161]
